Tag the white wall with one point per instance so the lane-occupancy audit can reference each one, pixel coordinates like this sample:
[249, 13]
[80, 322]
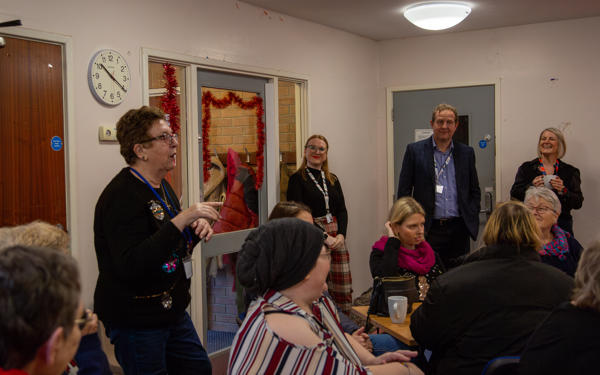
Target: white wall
[524, 59]
[341, 68]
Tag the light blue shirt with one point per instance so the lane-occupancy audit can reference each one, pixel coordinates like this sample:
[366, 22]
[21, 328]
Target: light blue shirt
[446, 204]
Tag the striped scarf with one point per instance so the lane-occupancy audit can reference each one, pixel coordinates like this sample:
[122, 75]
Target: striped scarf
[559, 246]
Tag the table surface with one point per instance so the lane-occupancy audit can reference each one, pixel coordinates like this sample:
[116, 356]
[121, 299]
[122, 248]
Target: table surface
[401, 331]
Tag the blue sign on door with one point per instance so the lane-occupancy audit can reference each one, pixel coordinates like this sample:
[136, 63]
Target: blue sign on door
[483, 143]
[56, 143]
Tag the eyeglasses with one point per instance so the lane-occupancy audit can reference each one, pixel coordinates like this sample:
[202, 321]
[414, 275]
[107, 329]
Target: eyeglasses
[315, 148]
[539, 210]
[165, 137]
[85, 318]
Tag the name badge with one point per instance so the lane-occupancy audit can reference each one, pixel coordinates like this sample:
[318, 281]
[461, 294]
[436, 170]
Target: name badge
[187, 267]
[439, 189]
[329, 218]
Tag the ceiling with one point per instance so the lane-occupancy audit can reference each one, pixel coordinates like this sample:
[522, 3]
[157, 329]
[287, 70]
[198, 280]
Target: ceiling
[383, 19]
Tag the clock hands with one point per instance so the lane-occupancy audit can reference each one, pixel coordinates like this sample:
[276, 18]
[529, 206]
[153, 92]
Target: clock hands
[113, 78]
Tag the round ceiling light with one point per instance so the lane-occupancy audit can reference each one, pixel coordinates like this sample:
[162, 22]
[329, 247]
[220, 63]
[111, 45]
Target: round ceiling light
[437, 16]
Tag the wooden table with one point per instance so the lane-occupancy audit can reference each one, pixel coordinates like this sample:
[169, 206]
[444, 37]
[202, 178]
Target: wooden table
[401, 331]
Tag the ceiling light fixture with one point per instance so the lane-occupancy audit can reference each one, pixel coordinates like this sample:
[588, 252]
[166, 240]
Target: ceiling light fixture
[437, 15]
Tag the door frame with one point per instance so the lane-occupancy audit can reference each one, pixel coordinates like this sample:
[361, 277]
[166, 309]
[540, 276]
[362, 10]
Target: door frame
[390, 128]
[192, 63]
[69, 141]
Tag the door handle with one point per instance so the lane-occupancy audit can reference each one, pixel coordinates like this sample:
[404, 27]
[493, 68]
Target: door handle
[489, 204]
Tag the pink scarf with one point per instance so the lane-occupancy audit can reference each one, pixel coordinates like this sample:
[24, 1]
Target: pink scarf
[420, 260]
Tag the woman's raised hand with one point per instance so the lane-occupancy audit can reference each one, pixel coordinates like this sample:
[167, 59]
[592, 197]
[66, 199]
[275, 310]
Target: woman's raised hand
[204, 210]
[390, 231]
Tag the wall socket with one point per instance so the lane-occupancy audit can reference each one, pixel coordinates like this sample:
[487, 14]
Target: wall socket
[107, 134]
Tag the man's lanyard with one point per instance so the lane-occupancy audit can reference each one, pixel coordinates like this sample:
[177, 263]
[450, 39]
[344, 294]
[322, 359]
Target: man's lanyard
[186, 232]
[439, 173]
[322, 189]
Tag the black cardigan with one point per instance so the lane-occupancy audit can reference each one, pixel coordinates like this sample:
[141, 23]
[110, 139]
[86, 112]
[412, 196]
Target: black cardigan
[132, 243]
[571, 200]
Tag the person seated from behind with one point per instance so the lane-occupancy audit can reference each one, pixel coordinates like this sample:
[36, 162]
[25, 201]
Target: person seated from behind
[559, 247]
[291, 327]
[568, 340]
[404, 250]
[375, 343]
[40, 310]
[489, 306]
[90, 358]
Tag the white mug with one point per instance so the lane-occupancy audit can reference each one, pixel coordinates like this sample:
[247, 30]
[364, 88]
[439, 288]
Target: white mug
[397, 306]
[547, 179]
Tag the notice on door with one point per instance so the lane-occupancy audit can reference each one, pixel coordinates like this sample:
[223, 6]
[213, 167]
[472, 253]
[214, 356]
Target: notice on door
[421, 134]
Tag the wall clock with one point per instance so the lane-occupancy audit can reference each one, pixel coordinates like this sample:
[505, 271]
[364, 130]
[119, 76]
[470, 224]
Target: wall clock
[109, 77]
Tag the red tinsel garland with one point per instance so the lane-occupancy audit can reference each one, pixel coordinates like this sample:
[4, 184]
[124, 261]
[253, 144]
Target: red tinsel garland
[256, 102]
[168, 102]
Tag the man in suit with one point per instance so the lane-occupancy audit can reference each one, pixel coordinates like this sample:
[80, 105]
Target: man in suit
[440, 174]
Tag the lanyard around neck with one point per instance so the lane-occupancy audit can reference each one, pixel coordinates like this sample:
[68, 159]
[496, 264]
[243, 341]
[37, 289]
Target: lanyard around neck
[186, 231]
[322, 189]
[439, 173]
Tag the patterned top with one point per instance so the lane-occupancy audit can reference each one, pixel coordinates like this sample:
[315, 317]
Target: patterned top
[258, 350]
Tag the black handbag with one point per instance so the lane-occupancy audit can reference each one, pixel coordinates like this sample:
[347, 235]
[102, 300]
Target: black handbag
[384, 287]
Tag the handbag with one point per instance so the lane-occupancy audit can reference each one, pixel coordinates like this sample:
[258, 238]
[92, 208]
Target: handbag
[384, 287]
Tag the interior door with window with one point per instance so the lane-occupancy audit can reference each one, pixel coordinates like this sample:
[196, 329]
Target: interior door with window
[232, 179]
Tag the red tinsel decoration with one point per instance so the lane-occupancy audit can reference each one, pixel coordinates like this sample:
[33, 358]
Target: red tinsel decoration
[256, 102]
[168, 102]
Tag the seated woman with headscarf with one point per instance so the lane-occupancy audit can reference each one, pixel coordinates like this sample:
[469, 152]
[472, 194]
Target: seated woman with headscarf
[559, 248]
[292, 327]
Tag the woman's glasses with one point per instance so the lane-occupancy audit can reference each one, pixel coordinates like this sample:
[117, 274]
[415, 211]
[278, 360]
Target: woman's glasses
[315, 148]
[165, 137]
[85, 318]
[539, 210]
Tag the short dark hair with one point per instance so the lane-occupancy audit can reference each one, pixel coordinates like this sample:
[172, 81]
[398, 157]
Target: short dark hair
[39, 292]
[132, 128]
[287, 209]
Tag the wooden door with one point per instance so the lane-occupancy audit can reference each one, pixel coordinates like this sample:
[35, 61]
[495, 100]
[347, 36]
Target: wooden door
[32, 173]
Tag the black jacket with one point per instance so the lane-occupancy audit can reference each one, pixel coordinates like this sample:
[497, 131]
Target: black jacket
[417, 179]
[572, 200]
[487, 307]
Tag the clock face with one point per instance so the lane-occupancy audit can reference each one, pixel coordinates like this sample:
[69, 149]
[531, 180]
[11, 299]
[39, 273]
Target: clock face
[109, 77]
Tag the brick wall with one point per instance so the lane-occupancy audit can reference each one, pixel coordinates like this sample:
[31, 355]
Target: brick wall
[222, 308]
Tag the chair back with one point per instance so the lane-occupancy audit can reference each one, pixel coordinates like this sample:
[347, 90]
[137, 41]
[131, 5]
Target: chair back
[506, 365]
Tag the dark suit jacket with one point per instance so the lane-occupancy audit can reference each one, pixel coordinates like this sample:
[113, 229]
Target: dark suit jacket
[417, 179]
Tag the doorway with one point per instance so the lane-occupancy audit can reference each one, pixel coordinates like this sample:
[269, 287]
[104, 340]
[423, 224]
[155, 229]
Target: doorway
[476, 107]
[232, 149]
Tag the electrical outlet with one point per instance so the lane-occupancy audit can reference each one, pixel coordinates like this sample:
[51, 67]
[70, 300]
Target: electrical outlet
[107, 134]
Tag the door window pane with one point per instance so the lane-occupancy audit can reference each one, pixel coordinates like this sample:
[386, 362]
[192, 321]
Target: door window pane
[157, 82]
[289, 132]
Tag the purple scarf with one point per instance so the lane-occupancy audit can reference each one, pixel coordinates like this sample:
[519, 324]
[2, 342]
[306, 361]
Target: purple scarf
[559, 246]
[420, 260]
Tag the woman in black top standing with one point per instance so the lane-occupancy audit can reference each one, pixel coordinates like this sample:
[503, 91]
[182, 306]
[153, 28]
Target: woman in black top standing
[144, 240]
[315, 186]
[549, 170]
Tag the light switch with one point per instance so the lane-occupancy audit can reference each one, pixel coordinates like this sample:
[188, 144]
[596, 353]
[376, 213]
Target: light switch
[107, 134]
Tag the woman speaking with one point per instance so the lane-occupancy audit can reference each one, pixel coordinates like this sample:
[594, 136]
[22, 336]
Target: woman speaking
[144, 242]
